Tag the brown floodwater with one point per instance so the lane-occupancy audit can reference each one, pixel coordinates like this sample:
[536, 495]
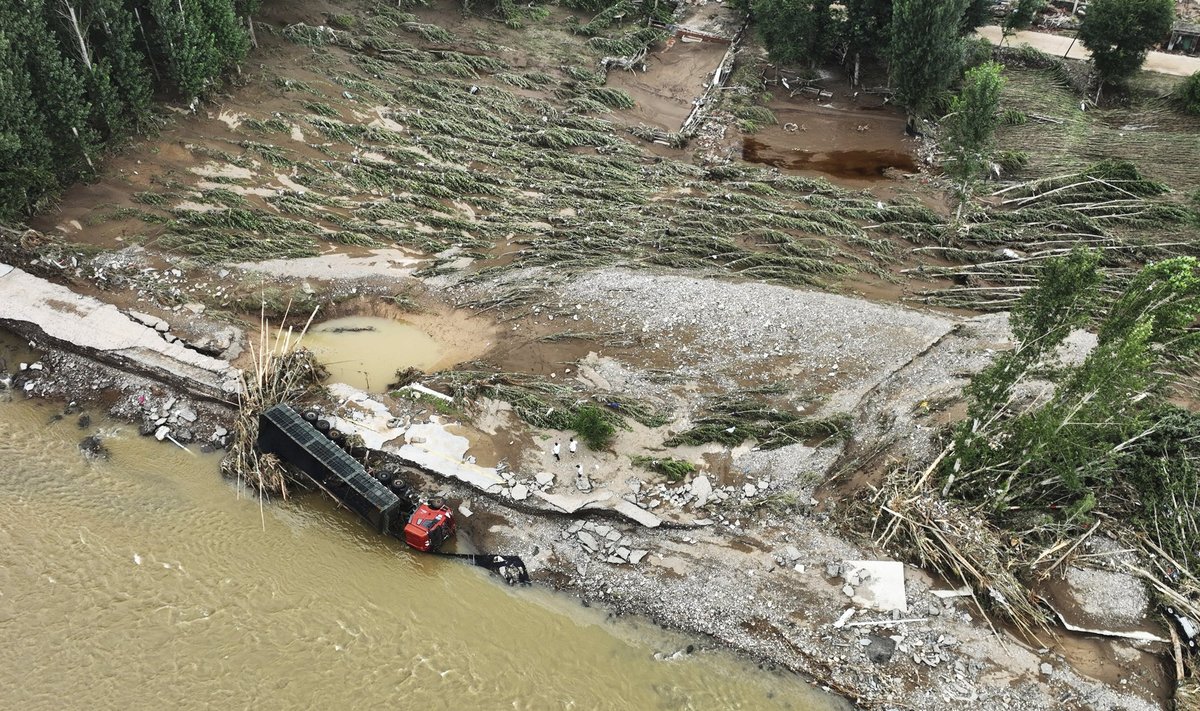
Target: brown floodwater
[145, 582]
[870, 164]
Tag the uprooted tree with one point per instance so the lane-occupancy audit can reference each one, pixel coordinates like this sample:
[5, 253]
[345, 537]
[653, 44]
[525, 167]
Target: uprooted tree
[1042, 464]
[1050, 450]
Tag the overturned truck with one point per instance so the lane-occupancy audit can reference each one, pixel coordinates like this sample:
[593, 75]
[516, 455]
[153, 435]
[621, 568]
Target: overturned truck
[388, 505]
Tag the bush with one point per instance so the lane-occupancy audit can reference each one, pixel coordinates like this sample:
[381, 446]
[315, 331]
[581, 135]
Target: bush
[1187, 95]
[593, 427]
[976, 51]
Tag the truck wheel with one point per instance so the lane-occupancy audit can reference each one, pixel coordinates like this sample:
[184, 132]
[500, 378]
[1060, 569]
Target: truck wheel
[384, 477]
[437, 502]
[322, 426]
[311, 415]
[335, 435]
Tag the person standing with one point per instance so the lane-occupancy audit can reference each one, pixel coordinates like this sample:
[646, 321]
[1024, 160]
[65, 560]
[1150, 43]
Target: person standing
[556, 450]
[572, 446]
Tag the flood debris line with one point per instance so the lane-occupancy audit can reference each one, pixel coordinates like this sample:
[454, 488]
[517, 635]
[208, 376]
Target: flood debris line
[1110, 206]
[281, 373]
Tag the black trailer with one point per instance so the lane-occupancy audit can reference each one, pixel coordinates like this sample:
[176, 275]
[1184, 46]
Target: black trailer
[285, 433]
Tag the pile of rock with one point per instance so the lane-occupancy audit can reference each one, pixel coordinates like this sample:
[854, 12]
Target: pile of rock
[697, 493]
[519, 488]
[604, 540]
[175, 419]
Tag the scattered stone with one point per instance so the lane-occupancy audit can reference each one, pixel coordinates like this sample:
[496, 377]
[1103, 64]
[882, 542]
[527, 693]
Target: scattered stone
[161, 433]
[615, 560]
[623, 553]
[613, 536]
[544, 479]
[520, 492]
[1046, 669]
[93, 447]
[879, 649]
[85, 421]
[186, 414]
[791, 553]
[636, 555]
[162, 326]
[750, 490]
[833, 570]
[588, 541]
[848, 590]
[220, 432]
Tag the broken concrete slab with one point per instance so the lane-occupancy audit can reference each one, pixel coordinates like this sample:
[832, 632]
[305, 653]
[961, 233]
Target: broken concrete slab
[876, 584]
[600, 501]
[35, 307]
[702, 489]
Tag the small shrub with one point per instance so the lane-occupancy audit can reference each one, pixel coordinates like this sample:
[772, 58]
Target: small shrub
[593, 427]
[1187, 95]
[675, 470]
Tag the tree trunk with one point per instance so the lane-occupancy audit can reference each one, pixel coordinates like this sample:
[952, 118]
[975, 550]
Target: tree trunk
[250, 25]
[73, 19]
[149, 49]
[856, 68]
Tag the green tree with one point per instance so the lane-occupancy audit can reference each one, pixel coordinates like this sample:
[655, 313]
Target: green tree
[925, 49]
[1021, 17]
[61, 94]
[974, 15]
[118, 46]
[1065, 454]
[26, 159]
[796, 31]
[867, 31]
[1119, 33]
[972, 121]
[1187, 95]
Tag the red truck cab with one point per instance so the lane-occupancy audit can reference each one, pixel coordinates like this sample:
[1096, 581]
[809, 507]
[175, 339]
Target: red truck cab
[430, 526]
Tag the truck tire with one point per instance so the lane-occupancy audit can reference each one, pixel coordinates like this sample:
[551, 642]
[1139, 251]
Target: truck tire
[311, 415]
[335, 435]
[384, 477]
[437, 502]
[322, 426]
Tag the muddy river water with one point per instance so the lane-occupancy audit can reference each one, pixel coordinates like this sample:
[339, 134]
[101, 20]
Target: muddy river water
[145, 582]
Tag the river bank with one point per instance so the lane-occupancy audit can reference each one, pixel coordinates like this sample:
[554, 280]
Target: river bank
[534, 239]
[143, 581]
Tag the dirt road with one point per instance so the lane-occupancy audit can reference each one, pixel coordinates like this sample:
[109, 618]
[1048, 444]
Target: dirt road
[1060, 45]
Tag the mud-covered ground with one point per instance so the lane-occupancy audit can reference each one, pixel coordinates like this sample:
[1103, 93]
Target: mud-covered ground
[359, 169]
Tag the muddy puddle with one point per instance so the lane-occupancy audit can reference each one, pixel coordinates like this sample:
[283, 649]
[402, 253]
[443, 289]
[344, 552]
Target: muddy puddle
[848, 136]
[366, 351]
[846, 164]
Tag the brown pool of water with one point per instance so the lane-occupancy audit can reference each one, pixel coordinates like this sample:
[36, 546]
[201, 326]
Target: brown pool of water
[861, 164]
